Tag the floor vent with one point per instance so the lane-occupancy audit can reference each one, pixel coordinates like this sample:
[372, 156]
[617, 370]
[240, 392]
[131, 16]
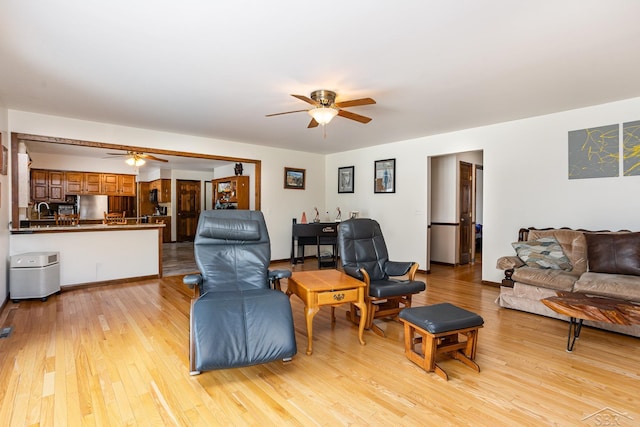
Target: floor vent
[5, 332]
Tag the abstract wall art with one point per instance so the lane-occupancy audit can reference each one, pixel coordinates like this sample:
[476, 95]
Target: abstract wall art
[631, 148]
[594, 152]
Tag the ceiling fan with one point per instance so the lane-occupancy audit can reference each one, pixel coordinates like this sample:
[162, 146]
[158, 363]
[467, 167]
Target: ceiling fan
[326, 108]
[136, 158]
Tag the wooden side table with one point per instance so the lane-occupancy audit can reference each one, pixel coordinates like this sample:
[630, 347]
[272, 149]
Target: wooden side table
[581, 307]
[327, 287]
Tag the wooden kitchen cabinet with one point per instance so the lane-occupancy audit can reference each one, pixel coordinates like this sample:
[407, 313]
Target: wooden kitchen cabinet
[164, 189]
[118, 185]
[83, 182]
[231, 192]
[47, 185]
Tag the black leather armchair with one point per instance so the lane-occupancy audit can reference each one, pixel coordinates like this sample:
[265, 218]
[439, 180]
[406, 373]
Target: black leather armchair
[363, 253]
[236, 319]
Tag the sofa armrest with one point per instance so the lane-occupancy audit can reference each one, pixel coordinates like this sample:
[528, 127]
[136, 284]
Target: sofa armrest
[509, 262]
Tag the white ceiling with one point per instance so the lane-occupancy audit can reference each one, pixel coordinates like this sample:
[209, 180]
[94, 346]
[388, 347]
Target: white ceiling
[216, 68]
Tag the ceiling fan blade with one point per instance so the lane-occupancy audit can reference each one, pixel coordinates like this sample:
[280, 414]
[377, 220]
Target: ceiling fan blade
[355, 102]
[354, 116]
[286, 112]
[306, 99]
[117, 154]
[150, 157]
[312, 123]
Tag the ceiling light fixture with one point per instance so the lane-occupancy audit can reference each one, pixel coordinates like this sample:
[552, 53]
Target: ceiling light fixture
[322, 114]
[135, 161]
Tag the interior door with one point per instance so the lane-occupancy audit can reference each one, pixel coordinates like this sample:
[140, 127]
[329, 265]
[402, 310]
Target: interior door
[188, 209]
[466, 232]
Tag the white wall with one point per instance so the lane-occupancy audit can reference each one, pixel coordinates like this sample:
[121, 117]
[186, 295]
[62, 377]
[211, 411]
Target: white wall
[444, 202]
[524, 182]
[278, 205]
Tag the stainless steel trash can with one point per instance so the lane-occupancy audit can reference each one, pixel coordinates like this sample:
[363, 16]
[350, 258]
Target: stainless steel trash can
[34, 275]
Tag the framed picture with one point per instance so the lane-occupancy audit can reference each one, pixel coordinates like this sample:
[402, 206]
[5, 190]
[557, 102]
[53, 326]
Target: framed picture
[294, 178]
[345, 179]
[4, 161]
[384, 176]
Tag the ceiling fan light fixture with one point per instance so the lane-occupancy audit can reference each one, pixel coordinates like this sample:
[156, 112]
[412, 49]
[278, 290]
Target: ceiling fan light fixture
[135, 161]
[323, 115]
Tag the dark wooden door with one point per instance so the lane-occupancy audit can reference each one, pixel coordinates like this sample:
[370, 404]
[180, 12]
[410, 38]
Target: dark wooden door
[466, 232]
[188, 209]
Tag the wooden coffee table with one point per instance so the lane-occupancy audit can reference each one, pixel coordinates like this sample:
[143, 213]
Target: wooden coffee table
[581, 307]
[327, 287]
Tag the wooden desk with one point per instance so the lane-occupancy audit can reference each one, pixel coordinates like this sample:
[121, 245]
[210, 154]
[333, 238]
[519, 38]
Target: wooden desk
[327, 287]
[581, 307]
[317, 234]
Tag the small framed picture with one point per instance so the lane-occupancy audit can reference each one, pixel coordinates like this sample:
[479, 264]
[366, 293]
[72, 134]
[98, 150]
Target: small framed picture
[345, 179]
[384, 176]
[4, 161]
[294, 178]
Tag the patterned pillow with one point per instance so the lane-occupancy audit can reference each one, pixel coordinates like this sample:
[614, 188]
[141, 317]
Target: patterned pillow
[543, 253]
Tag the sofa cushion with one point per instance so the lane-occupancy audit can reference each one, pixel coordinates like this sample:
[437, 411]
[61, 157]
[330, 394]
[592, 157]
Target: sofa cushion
[560, 280]
[573, 242]
[545, 252]
[621, 286]
[615, 253]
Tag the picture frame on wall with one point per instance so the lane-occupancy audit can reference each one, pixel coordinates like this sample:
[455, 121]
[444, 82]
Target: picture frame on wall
[4, 161]
[294, 178]
[345, 179]
[384, 176]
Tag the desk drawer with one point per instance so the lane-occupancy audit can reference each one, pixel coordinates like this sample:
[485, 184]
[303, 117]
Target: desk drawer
[338, 297]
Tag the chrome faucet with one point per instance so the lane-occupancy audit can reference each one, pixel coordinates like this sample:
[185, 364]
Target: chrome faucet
[40, 205]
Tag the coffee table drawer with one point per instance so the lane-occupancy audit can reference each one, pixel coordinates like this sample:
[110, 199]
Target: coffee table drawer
[337, 297]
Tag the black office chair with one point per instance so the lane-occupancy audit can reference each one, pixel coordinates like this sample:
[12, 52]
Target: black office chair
[237, 319]
[363, 253]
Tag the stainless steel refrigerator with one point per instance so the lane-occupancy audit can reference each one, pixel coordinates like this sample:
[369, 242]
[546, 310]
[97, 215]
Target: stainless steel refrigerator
[93, 207]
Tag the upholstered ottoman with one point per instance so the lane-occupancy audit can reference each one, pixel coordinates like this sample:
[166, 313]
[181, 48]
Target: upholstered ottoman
[440, 327]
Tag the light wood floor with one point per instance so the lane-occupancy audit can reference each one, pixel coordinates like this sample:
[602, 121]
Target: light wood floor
[118, 355]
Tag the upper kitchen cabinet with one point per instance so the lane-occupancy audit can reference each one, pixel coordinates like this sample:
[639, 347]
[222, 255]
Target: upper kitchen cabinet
[83, 183]
[47, 185]
[118, 185]
[163, 186]
[231, 192]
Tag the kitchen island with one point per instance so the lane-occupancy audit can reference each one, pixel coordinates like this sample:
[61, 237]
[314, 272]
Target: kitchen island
[96, 253]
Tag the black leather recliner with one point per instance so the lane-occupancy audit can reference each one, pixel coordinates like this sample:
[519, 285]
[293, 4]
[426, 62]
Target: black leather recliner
[237, 319]
[363, 253]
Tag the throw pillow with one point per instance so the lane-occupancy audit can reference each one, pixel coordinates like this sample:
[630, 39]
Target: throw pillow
[614, 253]
[542, 253]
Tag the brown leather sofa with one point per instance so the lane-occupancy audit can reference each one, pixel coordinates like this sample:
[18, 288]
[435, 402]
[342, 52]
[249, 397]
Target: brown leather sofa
[595, 263]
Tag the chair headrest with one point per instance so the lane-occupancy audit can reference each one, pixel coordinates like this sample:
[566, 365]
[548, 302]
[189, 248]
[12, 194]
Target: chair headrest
[230, 229]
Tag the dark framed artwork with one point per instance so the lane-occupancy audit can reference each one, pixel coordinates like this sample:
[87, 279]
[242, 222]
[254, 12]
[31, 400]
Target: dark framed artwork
[4, 161]
[384, 176]
[294, 178]
[345, 179]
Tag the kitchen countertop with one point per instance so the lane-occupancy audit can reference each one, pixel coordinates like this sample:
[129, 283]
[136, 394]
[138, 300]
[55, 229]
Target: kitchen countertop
[83, 227]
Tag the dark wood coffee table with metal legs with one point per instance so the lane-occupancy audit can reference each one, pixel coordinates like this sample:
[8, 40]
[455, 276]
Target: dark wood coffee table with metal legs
[581, 307]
